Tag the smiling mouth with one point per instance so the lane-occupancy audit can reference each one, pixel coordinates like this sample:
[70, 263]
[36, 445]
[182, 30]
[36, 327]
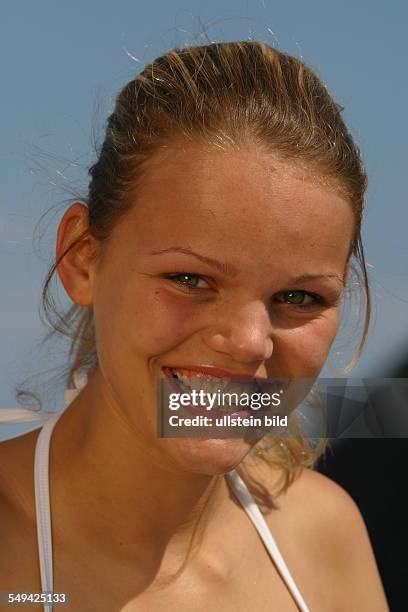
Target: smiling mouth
[211, 379]
[194, 381]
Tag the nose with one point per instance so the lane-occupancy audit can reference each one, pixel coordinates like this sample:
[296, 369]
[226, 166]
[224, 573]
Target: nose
[244, 334]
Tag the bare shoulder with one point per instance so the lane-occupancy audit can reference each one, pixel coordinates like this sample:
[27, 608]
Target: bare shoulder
[318, 520]
[18, 550]
[314, 495]
[325, 508]
[17, 473]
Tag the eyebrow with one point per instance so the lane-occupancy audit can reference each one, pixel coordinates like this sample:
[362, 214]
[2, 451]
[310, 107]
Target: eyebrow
[223, 267]
[230, 270]
[308, 277]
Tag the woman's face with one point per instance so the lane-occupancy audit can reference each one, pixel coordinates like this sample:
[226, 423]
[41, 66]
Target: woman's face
[201, 272]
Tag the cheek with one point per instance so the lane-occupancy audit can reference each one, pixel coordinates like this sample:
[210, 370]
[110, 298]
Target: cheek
[305, 348]
[161, 320]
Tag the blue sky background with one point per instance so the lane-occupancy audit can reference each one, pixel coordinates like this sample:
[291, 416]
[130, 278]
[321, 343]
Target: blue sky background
[62, 64]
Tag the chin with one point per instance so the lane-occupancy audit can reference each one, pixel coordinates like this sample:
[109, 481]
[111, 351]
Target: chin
[207, 456]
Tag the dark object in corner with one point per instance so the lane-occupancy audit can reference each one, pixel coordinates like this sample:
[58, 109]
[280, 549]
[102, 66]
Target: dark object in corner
[375, 473]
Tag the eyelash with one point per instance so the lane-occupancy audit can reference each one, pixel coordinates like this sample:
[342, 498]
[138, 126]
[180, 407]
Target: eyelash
[317, 299]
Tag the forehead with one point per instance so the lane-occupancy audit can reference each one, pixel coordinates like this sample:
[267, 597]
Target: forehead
[261, 203]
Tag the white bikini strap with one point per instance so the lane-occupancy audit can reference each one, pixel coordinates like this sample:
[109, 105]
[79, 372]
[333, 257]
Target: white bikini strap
[46, 420]
[254, 513]
[12, 416]
[21, 415]
[42, 505]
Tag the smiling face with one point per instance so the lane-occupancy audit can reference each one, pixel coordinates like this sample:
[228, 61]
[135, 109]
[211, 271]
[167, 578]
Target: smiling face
[210, 268]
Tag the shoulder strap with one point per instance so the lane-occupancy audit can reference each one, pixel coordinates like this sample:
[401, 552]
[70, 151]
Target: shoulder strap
[42, 505]
[41, 480]
[10, 416]
[251, 508]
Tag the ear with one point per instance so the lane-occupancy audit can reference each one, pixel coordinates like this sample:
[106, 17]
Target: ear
[75, 270]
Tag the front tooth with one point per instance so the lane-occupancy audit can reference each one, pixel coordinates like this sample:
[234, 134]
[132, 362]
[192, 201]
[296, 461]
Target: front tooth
[234, 387]
[224, 384]
[195, 383]
[185, 380]
[208, 385]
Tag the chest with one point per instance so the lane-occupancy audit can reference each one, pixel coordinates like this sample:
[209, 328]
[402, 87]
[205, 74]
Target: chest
[91, 582]
[102, 587]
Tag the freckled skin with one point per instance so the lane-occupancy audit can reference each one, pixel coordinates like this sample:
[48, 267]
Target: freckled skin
[266, 218]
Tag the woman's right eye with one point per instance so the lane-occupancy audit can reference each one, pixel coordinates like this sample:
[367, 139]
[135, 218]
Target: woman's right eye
[188, 280]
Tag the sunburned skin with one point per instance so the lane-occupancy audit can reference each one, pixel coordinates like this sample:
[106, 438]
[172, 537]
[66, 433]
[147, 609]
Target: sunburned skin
[266, 224]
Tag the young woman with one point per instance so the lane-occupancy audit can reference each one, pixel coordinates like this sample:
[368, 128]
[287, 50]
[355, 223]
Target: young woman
[216, 239]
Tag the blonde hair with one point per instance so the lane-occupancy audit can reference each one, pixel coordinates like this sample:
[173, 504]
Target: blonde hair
[226, 94]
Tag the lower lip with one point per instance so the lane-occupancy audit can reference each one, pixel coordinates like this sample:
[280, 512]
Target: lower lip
[199, 410]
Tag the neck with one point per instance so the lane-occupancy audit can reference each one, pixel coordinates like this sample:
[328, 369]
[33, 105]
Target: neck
[128, 504]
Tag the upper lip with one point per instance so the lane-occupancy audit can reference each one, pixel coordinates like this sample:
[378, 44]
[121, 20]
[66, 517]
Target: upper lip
[215, 371]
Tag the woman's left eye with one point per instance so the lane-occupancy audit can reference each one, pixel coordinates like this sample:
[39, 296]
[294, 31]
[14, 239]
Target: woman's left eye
[299, 297]
[189, 281]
